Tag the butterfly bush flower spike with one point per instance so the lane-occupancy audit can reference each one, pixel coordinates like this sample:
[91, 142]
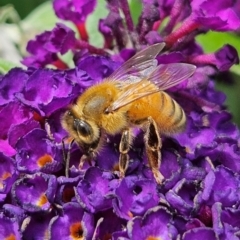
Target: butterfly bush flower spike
[200, 190]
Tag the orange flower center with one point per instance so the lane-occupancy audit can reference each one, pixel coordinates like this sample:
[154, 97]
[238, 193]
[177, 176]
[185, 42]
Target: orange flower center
[46, 158]
[76, 231]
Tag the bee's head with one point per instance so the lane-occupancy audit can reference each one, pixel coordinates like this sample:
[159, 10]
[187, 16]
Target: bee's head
[84, 131]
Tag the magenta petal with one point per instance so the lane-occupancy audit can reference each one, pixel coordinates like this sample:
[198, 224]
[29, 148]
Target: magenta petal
[61, 40]
[75, 11]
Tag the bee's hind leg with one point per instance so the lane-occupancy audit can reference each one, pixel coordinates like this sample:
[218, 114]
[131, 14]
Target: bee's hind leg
[124, 149]
[153, 144]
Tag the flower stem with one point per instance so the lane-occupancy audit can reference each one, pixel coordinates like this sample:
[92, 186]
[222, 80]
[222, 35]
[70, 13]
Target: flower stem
[82, 31]
[204, 104]
[187, 27]
[174, 15]
[85, 45]
[59, 64]
[129, 22]
[115, 22]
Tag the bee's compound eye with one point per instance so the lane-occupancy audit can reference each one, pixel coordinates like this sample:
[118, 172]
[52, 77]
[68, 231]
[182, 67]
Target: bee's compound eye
[69, 113]
[82, 127]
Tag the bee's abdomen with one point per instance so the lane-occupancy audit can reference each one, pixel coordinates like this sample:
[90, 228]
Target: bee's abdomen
[171, 117]
[168, 115]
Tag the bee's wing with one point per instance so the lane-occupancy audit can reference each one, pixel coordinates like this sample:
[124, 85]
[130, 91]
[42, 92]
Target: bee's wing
[139, 66]
[168, 75]
[164, 77]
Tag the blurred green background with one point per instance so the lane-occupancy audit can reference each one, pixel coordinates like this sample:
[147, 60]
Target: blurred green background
[23, 7]
[210, 42]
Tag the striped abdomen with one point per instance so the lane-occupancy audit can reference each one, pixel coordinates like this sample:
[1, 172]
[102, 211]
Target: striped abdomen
[166, 112]
[171, 116]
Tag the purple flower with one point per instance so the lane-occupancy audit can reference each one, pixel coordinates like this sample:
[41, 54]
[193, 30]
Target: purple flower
[103, 65]
[199, 197]
[36, 152]
[220, 186]
[141, 196]
[46, 90]
[74, 10]
[156, 223]
[40, 56]
[12, 83]
[45, 47]
[15, 213]
[107, 224]
[225, 221]
[95, 191]
[65, 191]
[200, 233]
[10, 229]
[8, 175]
[220, 16]
[222, 59]
[75, 223]
[181, 197]
[36, 226]
[20, 114]
[35, 193]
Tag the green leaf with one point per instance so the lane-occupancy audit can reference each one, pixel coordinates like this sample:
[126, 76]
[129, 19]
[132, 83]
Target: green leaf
[135, 9]
[232, 92]
[43, 17]
[5, 66]
[211, 42]
[101, 11]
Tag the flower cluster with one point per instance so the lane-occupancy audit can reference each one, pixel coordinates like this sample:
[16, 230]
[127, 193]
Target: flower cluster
[199, 198]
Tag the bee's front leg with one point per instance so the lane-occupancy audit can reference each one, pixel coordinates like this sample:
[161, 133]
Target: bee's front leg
[66, 156]
[90, 150]
[87, 157]
[124, 149]
[153, 144]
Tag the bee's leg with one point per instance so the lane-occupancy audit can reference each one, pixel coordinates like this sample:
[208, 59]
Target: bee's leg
[153, 144]
[91, 151]
[124, 149]
[66, 156]
[86, 157]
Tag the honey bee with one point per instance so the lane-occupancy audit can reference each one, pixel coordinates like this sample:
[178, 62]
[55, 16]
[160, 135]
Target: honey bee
[132, 96]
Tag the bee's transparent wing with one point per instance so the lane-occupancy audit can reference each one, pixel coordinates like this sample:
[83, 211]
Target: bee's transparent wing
[164, 77]
[168, 75]
[139, 66]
